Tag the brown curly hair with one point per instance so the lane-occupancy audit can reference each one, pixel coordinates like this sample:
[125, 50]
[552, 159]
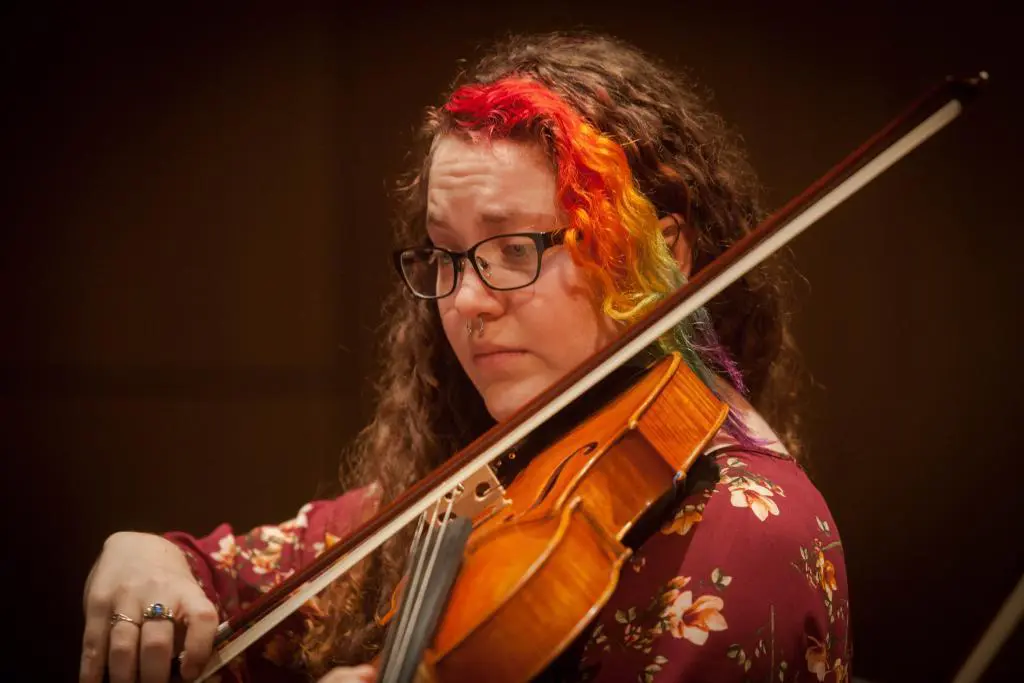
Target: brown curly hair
[685, 161]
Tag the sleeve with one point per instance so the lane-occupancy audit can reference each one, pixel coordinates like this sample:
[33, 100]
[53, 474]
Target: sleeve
[235, 569]
[744, 582]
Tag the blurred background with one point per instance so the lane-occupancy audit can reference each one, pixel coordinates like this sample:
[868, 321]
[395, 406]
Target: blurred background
[196, 238]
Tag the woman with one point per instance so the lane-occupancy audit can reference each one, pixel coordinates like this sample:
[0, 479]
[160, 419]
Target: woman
[566, 185]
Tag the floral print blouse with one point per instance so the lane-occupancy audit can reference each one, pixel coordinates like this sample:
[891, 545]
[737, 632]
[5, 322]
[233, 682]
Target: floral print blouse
[744, 580]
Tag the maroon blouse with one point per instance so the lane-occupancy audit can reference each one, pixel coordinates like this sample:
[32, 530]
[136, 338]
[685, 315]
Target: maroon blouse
[744, 581]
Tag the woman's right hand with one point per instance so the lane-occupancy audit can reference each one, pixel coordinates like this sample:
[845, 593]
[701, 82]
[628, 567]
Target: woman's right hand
[133, 572]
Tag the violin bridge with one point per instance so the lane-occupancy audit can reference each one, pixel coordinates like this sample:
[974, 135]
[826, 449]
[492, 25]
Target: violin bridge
[476, 495]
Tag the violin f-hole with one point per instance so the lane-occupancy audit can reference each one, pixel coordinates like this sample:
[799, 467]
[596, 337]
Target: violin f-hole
[549, 485]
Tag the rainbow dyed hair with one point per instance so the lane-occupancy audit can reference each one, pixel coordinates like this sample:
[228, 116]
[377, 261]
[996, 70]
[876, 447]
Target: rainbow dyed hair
[615, 234]
[614, 231]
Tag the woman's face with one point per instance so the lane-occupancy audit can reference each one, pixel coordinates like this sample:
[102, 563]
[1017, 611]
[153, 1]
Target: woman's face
[532, 336]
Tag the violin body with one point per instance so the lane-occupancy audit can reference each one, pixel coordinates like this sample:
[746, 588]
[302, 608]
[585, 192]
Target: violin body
[536, 570]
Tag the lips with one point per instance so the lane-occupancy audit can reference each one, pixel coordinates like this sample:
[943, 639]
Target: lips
[495, 357]
[483, 350]
[498, 354]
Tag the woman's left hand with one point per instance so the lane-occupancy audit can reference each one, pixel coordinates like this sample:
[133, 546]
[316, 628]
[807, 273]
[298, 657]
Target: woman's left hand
[360, 674]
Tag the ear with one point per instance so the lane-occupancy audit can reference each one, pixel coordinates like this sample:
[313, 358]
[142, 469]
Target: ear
[673, 227]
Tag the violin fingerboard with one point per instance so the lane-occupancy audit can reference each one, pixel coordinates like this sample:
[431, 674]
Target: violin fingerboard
[424, 600]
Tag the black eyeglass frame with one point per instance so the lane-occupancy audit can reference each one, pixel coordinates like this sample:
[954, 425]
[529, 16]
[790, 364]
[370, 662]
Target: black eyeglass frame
[542, 242]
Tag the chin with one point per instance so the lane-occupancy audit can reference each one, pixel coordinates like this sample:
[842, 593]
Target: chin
[503, 399]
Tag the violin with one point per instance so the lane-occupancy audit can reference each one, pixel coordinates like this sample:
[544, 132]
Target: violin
[522, 571]
[554, 539]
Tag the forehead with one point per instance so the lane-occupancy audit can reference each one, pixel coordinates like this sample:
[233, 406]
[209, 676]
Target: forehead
[489, 176]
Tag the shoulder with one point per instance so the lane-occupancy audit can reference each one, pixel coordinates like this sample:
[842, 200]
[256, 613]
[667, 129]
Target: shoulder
[746, 512]
[744, 574]
[740, 504]
[759, 531]
[765, 494]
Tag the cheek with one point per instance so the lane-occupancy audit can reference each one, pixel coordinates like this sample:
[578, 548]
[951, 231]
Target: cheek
[567, 319]
[449, 321]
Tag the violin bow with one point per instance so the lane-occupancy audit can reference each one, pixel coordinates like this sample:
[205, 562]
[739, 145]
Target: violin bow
[994, 637]
[919, 122]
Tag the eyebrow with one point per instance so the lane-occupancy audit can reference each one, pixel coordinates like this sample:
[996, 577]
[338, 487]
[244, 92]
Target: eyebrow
[497, 218]
[492, 218]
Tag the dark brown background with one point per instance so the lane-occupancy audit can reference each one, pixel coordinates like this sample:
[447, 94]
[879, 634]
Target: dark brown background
[196, 241]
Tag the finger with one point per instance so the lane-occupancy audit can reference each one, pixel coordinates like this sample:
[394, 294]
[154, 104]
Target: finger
[200, 617]
[359, 674]
[156, 649]
[94, 639]
[124, 650]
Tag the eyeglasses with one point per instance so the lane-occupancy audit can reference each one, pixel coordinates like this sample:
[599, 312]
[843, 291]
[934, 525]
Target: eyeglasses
[503, 263]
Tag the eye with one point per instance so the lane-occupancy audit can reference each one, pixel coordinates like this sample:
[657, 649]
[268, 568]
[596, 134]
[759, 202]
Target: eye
[440, 257]
[515, 251]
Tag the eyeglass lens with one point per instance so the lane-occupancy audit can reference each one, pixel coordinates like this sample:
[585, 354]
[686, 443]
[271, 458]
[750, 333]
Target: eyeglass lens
[503, 262]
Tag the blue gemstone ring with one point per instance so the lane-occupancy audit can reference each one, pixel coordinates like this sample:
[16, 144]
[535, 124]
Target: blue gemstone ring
[157, 611]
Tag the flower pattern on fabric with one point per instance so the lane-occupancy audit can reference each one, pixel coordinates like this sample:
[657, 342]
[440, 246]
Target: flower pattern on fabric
[225, 555]
[743, 580]
[755, 497]
[234, 570]
[695, 619]
[684, 520]
[750, 490]
[730, 606]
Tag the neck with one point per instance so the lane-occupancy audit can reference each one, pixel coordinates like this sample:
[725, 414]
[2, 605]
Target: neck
[756, 425]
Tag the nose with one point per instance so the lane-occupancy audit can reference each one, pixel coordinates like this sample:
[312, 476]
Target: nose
[473, 298]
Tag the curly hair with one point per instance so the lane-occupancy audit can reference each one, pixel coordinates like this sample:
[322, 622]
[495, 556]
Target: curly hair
[684, 161]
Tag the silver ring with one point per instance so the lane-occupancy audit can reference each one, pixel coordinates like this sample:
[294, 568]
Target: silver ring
[120, 616]
[158, 611]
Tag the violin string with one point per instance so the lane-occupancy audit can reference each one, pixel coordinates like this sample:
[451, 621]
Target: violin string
[415, 553]
[414, 596]
[420, 594]
[421, 542]
[417, 540]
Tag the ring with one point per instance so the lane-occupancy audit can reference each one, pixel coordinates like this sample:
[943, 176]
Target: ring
[120, 616]
[157, 611]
